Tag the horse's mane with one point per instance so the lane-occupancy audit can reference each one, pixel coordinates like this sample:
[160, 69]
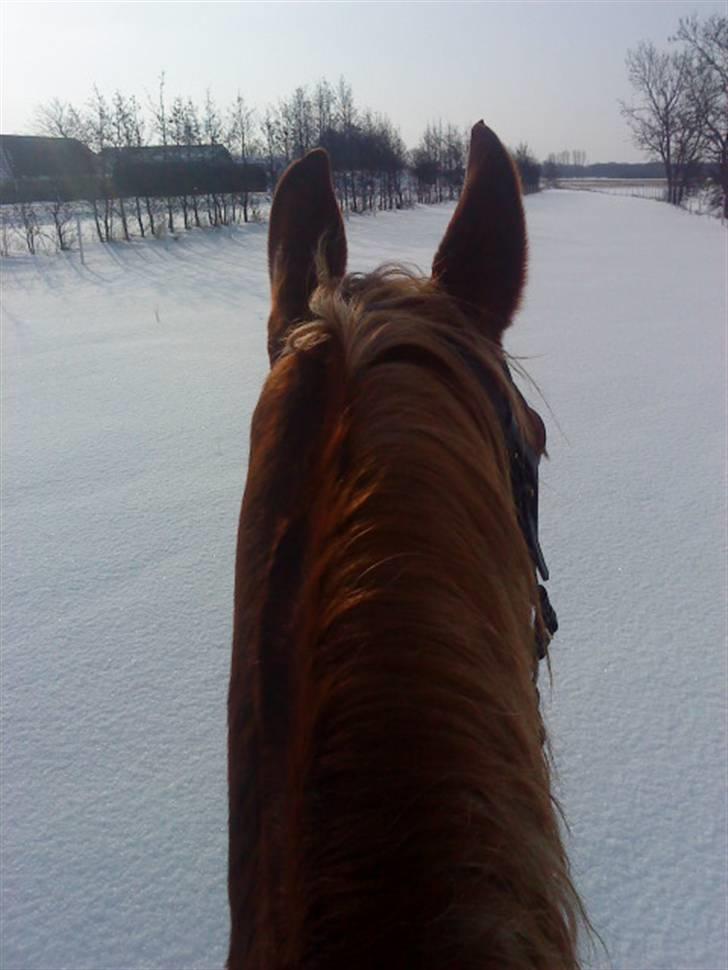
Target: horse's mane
[390, 792]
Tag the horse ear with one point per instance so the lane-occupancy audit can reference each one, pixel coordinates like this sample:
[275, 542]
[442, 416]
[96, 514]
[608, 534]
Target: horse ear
[481, 261]
[304, 221]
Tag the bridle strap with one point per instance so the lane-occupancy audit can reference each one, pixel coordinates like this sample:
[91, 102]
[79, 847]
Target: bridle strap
[550, 623]
[524, 484]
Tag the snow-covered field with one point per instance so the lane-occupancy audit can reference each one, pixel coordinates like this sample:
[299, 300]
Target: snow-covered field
[703, 201]
[128, 386]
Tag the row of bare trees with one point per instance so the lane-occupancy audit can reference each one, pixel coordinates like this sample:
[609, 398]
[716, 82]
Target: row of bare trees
[59, 226]
[368, 155]
[558, 163]
[680, 114]
[372, 167]
[122, 122]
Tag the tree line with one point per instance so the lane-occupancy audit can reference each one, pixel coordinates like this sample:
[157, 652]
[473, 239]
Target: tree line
[372, 167]
[680, 111]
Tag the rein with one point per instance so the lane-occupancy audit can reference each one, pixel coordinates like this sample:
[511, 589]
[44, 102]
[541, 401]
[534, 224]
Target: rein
[524, 483]
[524, 480]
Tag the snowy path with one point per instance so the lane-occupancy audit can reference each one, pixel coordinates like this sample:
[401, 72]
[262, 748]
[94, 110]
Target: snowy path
[127, 389]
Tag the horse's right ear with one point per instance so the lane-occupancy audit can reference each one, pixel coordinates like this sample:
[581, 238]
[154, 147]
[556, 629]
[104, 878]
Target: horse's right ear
[304, 220]
[481, 261]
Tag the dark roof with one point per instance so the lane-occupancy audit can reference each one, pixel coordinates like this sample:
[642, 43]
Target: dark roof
[154, 154]
[30, 156]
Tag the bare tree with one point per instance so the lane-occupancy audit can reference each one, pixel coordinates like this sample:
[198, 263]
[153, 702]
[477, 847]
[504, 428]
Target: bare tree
[135, 134]
[528, 168]
[346, 118]
[241, 134]
[6, 229]
[161, 124]
[59, 119]
[178, 129]
[192, 137]
[303, 122]
[690, 139]
[213, 131]
[25, 218]
[550, 170]
[134, 138]
[323, 109]
[455, 153]
[61, 214]
[119, 128]
[663, 121]
[393, 155]
[271, 137]
[438, 163]
[99, 129]
[706, 42]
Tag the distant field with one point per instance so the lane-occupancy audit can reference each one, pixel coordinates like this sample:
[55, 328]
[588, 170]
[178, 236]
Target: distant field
[642, 188]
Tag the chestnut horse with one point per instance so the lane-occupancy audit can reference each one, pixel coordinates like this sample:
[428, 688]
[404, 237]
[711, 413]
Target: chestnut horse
[390, 802]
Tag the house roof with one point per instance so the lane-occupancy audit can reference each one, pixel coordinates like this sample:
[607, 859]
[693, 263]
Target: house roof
[31, 156]
[153, 154]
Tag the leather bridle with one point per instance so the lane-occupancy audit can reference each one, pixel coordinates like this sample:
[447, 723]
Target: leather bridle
[524, 463]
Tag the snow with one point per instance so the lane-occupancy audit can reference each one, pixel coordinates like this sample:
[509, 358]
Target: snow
[128, 385]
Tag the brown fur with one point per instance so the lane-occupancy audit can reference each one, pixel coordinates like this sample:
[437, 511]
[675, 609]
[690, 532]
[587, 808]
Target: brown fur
[482, 257]
[389, 795]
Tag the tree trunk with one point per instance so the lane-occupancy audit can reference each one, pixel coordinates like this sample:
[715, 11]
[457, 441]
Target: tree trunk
[140, 220]
[108, 219]
[124, 223]
[97, 220]
[723, 179]
[150, 214]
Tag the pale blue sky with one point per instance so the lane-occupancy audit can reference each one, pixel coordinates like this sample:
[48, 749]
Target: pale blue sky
[549, 73]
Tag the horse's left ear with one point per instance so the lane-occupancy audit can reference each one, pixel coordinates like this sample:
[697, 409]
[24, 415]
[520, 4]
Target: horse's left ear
[481, 261]
[304, 216]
